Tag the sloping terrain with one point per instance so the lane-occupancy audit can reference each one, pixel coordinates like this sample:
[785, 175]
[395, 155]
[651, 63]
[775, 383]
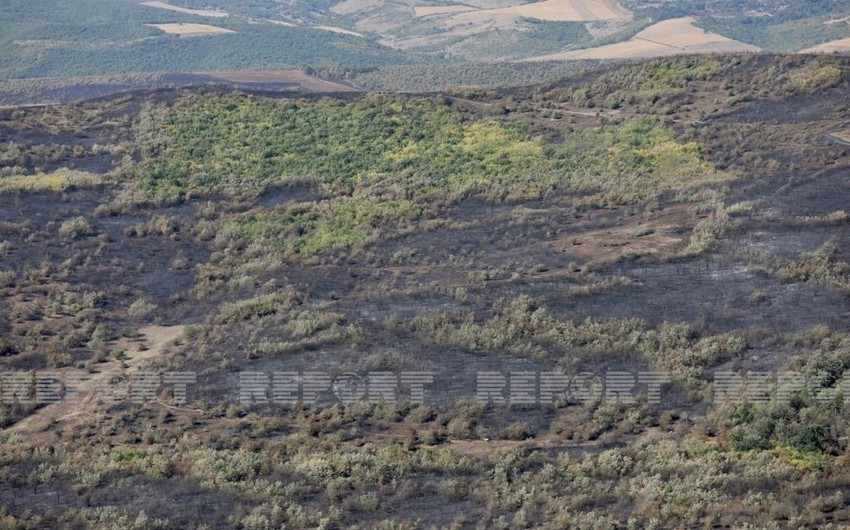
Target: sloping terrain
[685, 215]
[554, 10]
[774, 25]
[149, 346]
[671, 37]
[68, 90]
[108, 37]
[836, 46]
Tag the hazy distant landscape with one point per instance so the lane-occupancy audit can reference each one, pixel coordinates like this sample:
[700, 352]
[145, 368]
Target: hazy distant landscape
[97, 37]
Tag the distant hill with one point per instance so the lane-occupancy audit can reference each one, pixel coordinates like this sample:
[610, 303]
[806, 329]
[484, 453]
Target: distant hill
[774, 25]
[53, 38]
[50, 38]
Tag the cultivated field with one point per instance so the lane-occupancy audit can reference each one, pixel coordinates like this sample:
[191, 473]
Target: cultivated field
[842, 45]
[469, 28]
[670, 37]
[191, 30]
[348, 7]
[556, 10]
[198, 12]
[426, 11]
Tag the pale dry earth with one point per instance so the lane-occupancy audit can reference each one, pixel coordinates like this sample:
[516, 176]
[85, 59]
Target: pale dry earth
[153, 343]
[836, 46]
[191, 30]
[425, 11]
[185, 11]
[555, 11]
[671, 37]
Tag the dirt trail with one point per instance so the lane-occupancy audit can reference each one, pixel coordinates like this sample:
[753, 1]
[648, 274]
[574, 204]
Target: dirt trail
[151, 346]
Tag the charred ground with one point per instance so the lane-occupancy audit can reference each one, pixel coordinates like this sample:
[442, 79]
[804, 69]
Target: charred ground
[683, 215]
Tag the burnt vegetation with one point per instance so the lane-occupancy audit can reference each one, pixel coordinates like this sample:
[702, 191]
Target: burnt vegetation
[685, 215]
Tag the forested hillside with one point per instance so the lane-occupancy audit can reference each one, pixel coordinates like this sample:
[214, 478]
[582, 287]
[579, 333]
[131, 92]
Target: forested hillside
[770, 24]
[94, 37]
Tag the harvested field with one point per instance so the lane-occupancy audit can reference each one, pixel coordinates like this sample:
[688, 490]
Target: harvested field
[555, 10]
[836, 46]
[426, 11]
[191, 30]
[198, 12]
[670, 37]
[352, 6]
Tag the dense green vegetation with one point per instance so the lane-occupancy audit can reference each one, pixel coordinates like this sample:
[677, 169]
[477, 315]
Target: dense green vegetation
[407, 148]
[442, 77]
[386, 161]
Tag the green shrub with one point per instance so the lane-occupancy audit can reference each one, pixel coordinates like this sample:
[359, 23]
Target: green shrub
[75, 228]
[515, 431]
[141, 309]
[8, 278]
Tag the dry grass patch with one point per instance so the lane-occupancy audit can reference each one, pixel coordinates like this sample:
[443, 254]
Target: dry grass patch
[426, 11]
[191, 30]
[59, 180]
[197, 12]
[836, 46]
[348, 7]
